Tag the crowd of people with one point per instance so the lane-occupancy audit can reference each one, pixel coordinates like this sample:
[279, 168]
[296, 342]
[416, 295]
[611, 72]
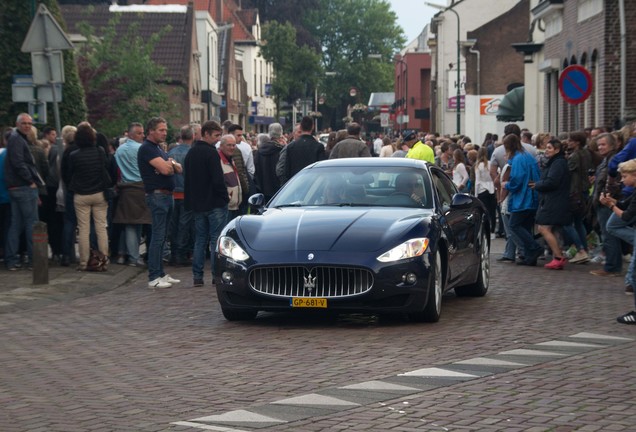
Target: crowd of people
[566, 199]
[137, 200]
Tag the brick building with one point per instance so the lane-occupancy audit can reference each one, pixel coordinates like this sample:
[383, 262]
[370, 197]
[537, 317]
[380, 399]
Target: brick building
[588, 33]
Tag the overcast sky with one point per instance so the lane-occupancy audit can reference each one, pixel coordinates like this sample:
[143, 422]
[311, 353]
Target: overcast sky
[413, 15]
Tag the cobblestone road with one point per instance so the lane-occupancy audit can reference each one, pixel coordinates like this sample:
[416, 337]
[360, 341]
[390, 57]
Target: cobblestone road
[133, 359]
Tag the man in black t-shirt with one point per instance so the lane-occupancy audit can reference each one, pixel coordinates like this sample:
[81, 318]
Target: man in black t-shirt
[157, 173]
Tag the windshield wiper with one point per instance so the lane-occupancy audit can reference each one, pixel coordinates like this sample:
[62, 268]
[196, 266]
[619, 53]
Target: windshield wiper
[294, 204]
[345, 204]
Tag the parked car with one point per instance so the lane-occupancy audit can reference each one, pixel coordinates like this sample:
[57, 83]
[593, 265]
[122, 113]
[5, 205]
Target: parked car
[376, 235]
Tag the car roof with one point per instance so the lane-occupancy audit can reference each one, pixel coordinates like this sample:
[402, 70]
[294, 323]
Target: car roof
[371, 162]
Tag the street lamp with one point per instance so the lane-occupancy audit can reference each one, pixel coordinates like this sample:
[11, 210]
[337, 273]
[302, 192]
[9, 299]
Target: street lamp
[405, 82]
[444, 9]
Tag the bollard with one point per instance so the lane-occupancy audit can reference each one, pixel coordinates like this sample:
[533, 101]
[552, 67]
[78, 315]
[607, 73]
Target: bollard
[40, 254]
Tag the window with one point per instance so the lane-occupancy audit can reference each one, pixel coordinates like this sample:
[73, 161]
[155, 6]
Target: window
[445, 188]
[588, 8]
[553, 25]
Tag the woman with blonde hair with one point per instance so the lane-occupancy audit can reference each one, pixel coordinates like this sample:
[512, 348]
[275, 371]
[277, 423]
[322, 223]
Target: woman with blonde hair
[387, 147]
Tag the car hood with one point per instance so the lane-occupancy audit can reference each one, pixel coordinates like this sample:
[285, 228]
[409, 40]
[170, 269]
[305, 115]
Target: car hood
[320, 229]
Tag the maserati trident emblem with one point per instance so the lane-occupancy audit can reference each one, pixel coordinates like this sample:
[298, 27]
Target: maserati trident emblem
[310, 282]
[310, 256]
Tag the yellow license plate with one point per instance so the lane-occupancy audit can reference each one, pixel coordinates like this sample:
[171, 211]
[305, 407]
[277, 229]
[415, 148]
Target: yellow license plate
[307, 302]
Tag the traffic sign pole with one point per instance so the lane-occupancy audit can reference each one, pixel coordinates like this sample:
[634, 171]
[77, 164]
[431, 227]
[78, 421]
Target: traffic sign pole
[45, 36]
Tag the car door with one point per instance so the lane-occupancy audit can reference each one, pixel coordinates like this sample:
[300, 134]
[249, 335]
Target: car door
[458, 224]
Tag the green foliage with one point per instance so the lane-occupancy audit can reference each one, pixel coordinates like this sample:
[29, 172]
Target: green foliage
[16, 17]
[349, 31]
[297, 70]
[283, 11]
[121, 80]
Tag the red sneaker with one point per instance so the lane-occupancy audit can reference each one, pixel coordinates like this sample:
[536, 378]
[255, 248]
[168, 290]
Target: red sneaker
[556, 264]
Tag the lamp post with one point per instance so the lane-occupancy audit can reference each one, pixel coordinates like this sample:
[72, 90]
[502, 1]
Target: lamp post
[458, 95]
[400, 60]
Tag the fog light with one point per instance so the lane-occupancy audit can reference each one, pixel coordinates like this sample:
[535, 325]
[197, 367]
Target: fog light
[227, 277]
[409, 278]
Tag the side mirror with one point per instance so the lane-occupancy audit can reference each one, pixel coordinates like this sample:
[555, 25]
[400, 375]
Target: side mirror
[256, 200]
[461, 201]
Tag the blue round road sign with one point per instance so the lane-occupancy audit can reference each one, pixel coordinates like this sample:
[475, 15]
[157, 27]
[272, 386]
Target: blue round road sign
[575, 84]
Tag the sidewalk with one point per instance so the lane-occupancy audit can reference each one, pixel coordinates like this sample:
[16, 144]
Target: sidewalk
[17, 291]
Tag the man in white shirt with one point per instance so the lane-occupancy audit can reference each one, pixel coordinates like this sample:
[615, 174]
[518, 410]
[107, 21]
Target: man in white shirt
[377, 145]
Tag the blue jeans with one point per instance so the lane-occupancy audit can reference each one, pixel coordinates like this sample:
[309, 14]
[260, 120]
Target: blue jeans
[611, 243]
[160, 206]
[132, 238]
[575, 233]
[618, 228]
[624, 231]
[208, 226]
[512, 241]
[24, 213]
[521, 224]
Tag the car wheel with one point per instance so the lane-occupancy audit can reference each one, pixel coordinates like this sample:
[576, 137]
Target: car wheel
[238, 314]
[433, 309]
[479, 288]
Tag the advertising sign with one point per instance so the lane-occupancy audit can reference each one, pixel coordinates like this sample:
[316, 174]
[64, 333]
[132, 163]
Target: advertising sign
[451, 89]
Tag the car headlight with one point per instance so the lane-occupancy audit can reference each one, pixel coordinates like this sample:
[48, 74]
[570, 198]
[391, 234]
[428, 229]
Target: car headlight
[409, 249]
[229, 248]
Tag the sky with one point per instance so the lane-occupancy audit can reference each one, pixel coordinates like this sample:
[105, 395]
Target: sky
[413, 15]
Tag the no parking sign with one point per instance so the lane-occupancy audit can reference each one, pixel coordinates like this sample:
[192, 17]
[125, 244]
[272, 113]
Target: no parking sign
[575, 84]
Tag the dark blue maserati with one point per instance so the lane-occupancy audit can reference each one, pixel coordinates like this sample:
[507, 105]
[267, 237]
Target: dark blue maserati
[370, 235]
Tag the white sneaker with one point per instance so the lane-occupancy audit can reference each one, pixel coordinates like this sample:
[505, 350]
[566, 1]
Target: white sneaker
[159, 283]
[169, 279]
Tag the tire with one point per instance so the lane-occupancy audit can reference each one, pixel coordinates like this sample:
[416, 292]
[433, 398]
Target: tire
[239, 314]
[433, 310]
[480, 287]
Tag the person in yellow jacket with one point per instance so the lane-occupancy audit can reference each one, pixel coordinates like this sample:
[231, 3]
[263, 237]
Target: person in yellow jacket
[418, 150]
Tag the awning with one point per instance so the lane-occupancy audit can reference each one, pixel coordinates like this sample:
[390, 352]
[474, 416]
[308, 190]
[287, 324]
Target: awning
[377, 100]
[511, 107]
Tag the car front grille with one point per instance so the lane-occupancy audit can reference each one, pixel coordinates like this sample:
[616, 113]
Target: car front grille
[298, 281]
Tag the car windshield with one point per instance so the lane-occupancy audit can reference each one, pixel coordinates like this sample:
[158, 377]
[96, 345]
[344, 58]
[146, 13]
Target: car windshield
[359, 186]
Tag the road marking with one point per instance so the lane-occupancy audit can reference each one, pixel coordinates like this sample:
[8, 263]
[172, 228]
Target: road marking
[207, 427]
[569, 344]
[427, 378]
[240, 416]
[437, 373]
[599, 336]
[530, 352]
[315, 399]
[378, 386]
[484, 361]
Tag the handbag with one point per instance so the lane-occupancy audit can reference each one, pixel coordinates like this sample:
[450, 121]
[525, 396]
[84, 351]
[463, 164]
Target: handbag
[97, 261]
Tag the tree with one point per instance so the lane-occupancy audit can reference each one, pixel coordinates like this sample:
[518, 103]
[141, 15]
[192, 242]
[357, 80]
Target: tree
[16, 18]
[349, 31]
[119, 76]
[297, 70]
[283, 11]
